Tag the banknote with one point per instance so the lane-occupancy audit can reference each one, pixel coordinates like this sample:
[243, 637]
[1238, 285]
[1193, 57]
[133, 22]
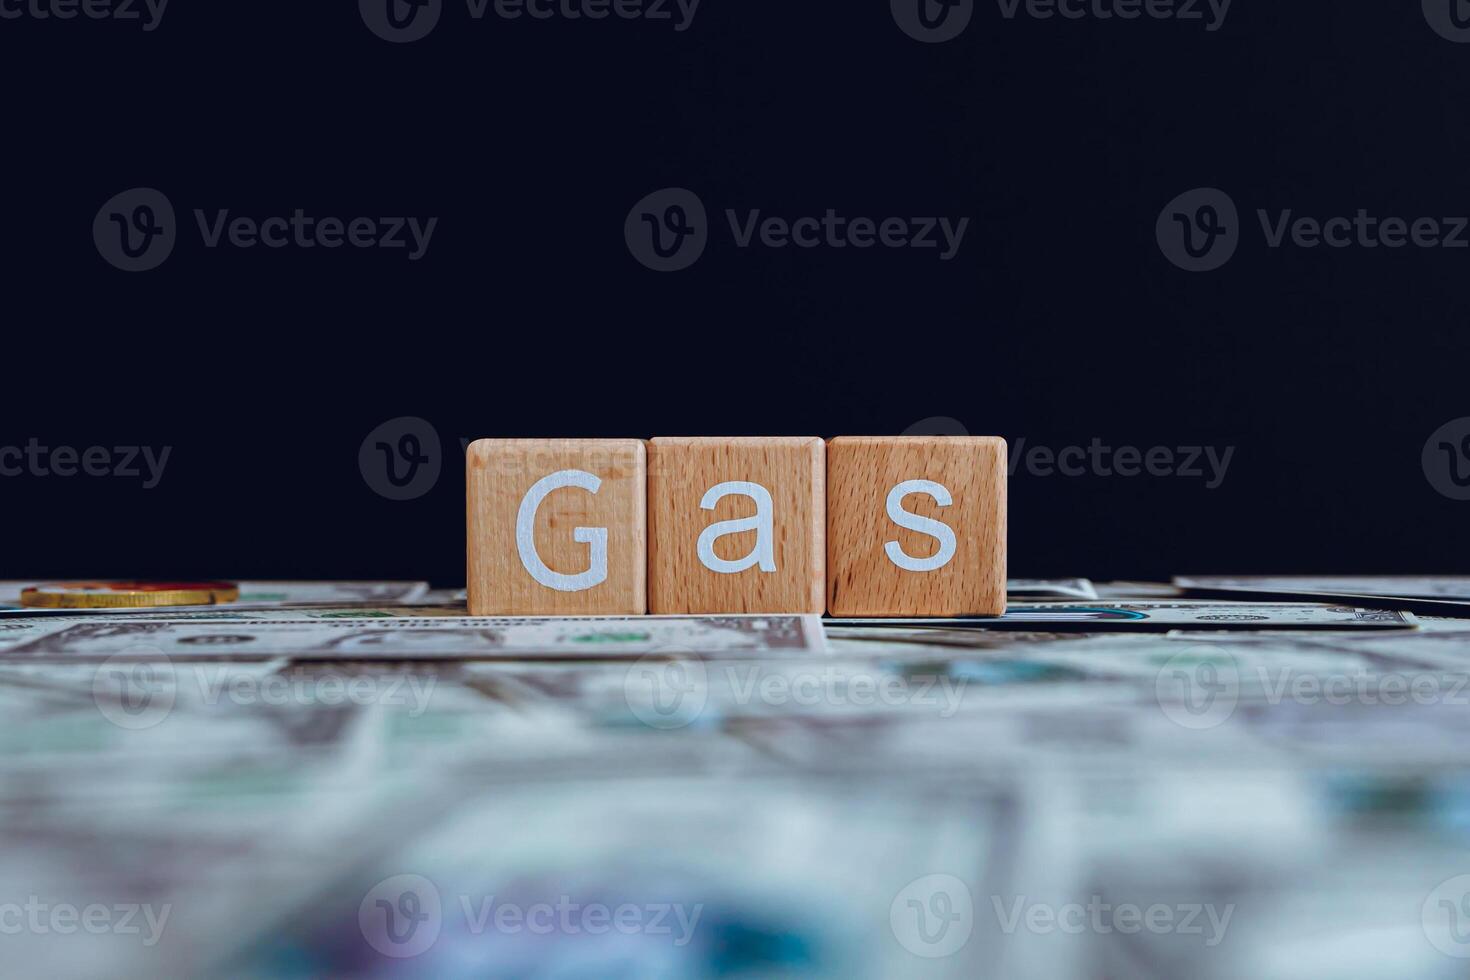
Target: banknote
[259, 797]
[402, 638]
[1444, 595]
[1402, 586]
[1158, 615]
[1062, 588]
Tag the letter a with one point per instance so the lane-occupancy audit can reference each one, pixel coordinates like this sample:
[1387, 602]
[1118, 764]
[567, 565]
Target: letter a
[764, 551]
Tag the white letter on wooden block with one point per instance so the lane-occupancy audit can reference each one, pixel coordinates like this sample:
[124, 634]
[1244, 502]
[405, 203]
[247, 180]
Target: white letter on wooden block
[764, 551]
[924, 525]
[526, 537]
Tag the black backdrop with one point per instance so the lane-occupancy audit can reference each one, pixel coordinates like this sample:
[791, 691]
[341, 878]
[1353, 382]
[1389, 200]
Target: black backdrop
[1059, 320]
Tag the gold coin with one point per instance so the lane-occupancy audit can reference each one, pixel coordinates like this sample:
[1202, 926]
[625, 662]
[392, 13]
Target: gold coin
[127, 595]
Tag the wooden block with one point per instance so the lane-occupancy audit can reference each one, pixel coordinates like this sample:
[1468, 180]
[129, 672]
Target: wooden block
[557, 527]
[768, 558]
[885, 557]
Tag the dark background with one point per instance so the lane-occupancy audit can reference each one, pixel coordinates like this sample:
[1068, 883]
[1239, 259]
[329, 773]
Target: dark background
[1059, 320]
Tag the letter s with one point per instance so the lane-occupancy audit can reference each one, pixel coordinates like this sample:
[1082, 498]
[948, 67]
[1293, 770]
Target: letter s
[924, 525]
[596, 572]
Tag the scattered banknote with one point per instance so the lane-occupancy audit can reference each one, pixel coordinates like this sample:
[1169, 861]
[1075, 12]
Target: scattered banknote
[402, 638]
[1036, 588]
[1444, 595]
[1146, 615]
[338, 791]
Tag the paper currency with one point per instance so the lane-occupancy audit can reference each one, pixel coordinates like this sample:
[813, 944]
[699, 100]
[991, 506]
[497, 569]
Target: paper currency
[378, 789]
[1445, 595]
[400, 638]
[1151, 615]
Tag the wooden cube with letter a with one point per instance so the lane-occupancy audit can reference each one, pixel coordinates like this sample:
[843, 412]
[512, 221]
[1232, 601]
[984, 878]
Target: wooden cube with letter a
[736, 525]
[916, 526]
[557, 527]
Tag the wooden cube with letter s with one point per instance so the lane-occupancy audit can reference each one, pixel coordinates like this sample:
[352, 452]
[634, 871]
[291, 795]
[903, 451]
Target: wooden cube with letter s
[557, 527]
[916, 526]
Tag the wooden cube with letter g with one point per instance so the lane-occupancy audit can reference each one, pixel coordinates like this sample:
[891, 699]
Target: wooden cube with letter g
[557, 527]
[916, 526]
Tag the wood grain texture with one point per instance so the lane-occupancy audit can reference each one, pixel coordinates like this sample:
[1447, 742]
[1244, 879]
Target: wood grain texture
[500, 472]
[682, 470]
[861, 578]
